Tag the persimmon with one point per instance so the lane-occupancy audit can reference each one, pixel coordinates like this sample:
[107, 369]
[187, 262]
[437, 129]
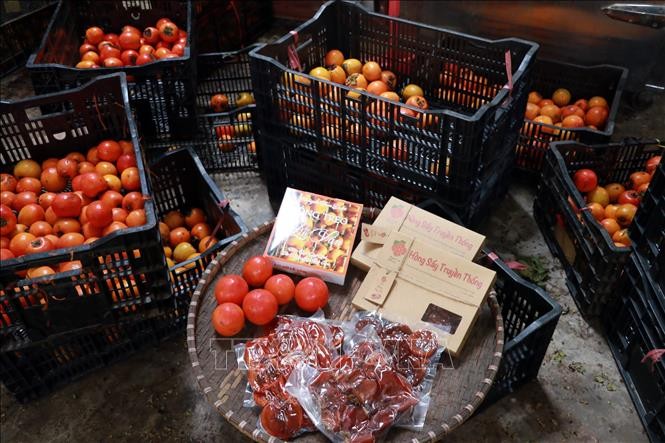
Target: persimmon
[66, 226]
[30, 214]
[561, 97]
[372, 71]
[179, 235]
[194, 217]
[136, 218]
[174, 219]
[334, 57]
[70, 239]
[19, 243]
[40, 228]
[200, 230]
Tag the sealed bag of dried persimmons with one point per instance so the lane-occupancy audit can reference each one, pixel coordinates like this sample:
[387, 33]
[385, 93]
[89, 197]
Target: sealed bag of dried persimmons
[269, 361]
[360, 396]
[414, 353]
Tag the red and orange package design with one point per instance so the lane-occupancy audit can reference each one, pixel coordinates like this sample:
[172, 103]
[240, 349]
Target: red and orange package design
[314, 235]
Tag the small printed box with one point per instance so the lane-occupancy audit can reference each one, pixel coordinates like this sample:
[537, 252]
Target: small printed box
[314, 235]
[413, 280]
[403, 217]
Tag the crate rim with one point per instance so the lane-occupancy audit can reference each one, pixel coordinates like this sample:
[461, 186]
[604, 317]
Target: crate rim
[577, 195]
[225, 54]
[243, 110]
[614, 108]
[188, 54]
[477, 115]
[219, 195]
[27, 13]
[151, 218]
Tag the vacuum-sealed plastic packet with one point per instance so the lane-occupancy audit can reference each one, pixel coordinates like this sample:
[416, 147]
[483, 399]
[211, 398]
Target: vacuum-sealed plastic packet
[415, 354]
[269, 361]
[358, 397]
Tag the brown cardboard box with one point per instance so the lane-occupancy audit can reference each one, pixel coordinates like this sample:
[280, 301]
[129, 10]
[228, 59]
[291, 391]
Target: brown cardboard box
[421, 225]
[413, 281]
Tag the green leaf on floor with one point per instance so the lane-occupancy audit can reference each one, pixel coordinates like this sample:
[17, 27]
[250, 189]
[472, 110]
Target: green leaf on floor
[536, 271]
[577, 367]
[558, 356]
[603, 379]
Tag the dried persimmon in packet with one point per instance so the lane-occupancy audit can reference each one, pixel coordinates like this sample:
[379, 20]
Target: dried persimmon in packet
[269, 361]
[415, 353]
[359, 397]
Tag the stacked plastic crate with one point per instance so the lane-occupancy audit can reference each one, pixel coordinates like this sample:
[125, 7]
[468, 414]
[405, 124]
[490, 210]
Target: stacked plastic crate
[322, 136]
[635, 321]
[56, 328]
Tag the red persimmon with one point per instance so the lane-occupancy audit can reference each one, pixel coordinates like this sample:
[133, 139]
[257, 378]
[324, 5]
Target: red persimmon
[66, 205]
[257, 270]
[311, 293]
[260, 306]
[282, 287]
[231, 288]
[99, 214]
[228, 319]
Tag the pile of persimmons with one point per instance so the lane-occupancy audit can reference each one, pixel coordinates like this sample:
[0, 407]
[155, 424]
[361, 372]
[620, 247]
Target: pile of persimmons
[615, 204]
[131, 47]
[69, 201]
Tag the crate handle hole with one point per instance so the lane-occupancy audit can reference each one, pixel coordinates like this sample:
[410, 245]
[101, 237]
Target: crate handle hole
[60, 135]
[36, 113]
[33, 113]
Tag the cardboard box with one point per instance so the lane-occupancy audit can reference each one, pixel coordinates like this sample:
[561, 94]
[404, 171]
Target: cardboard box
[314, 235]
[413, 280]
[421, 225]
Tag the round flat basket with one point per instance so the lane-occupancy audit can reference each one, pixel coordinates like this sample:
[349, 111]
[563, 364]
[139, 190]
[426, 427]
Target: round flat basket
[460, 385]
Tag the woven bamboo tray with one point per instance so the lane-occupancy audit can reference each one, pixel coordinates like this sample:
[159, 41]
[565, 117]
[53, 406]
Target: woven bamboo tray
[456, 393]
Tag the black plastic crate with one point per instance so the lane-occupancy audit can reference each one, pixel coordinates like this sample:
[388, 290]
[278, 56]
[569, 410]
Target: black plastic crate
[18, 38]
[648, 228]
[13, 9]
[337, 178]
[225, 25]
[631, 333]
[471, 123]
[161, 93]
[223, 140]
[590, 258]
[530, 317]
[606, 81]
[44, 366]
[179, 182]
[123, 273]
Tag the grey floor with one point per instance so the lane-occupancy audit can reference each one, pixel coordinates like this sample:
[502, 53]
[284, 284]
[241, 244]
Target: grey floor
[152, 396]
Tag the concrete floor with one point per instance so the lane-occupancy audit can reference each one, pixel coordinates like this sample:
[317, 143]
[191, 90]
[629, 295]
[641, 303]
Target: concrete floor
[152, 396]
